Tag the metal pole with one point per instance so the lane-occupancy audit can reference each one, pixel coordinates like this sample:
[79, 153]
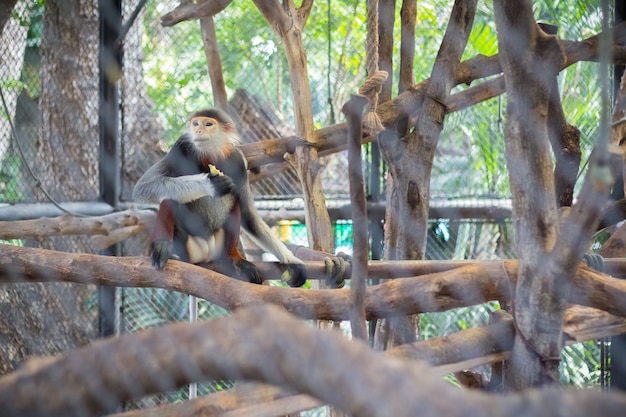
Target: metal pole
[193, 317]
[618, 343]
[109, 62]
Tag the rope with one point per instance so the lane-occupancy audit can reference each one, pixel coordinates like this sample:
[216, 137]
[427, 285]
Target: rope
[373, 85]
[336, 269]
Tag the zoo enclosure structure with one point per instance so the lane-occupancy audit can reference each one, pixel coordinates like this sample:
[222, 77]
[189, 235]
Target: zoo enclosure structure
[111, 186]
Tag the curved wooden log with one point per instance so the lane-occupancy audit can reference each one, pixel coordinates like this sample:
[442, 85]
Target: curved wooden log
[472, 284]
[331, 368]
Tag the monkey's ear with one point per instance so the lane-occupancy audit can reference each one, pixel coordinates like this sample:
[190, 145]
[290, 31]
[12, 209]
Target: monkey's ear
[294, 275]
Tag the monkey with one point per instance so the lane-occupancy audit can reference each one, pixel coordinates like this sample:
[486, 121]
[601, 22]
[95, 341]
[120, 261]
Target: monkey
[204, 199]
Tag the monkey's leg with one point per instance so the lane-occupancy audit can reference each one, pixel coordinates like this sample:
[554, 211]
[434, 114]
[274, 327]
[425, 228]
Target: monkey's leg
[239, 269]
[163, 234]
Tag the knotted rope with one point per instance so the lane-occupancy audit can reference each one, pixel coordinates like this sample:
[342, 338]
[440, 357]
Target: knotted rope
[373, 85]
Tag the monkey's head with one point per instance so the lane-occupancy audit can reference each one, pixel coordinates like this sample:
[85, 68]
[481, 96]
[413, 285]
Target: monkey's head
[213, 132]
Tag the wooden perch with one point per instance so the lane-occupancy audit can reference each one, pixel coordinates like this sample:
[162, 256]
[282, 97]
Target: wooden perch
[353, 110]
[116, 227]
[240, 347]
[468, 285]
[456, 352]
[188, 11]
[107, 230]
[246, 399]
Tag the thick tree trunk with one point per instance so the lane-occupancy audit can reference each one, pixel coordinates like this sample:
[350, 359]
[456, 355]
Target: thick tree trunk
[68, 153]
[530, 60]
[6, 7]
[410, 159]
[66, 164]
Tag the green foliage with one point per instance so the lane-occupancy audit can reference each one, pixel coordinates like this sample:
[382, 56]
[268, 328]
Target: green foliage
[10, 180]
[439, 324]
[580, 364]
[252, 58]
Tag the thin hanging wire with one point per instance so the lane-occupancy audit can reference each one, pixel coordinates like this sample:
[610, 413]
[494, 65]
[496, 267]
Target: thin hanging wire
[27, 165]
[328, 82]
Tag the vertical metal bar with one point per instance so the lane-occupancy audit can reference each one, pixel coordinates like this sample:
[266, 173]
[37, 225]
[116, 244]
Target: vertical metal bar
[193, 318]
[109, 60]
[617, 355]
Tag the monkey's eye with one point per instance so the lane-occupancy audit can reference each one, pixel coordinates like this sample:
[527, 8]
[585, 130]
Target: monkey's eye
[195, 123]
[208, 124]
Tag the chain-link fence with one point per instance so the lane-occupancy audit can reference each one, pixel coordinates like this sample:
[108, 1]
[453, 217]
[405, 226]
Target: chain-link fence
[51, 150]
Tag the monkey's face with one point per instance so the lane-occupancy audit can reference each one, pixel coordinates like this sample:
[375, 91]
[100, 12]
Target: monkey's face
[202, 128]
[212, 136]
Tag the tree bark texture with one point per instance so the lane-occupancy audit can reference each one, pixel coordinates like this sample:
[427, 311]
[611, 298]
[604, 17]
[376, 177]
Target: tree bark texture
[66, 164]
[531, 59]
[142, 131]
[288, 22]
[410, 161]
[462, 350]
[467, 285]
[68, 152]
[238, 347]
[406, 79]
[6, 7]
[214, 63]
[354, 112]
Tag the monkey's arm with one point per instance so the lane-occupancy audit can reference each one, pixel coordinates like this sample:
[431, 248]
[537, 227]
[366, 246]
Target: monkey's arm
[154, 186]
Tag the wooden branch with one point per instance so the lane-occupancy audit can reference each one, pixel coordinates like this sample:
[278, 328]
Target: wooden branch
[188, 11]
[453, 353]
[408, 15]
[131, 366]
[214, 63]
[471, 284]
[330, 138]
[131, 221]
[305, 10]
[353, 110]
[249, 399]
[273, 12]
[54, 226]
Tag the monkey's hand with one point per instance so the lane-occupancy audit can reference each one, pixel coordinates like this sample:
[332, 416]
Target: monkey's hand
[294, 275]
[223, 184]
[160, 252]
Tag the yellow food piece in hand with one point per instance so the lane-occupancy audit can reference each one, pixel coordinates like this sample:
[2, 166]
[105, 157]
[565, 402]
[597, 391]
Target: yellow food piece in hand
[214, 171]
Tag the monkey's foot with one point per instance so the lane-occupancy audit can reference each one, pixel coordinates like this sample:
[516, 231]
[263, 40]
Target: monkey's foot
[246, 271]
[160, 252]
[294, 275]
